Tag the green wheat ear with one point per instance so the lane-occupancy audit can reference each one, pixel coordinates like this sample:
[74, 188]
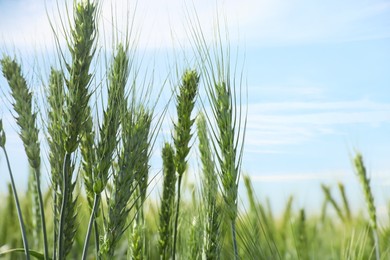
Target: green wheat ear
[329, 198]
[135, 127]
[26, 119]
[55, 99]
[210, 193]
[97, 159]
[345, 202]
[365, 182]
[185, 105]
[81, 45]
[167, 203]
[182, 134]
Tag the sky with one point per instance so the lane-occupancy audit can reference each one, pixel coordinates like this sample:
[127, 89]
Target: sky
[317, 74]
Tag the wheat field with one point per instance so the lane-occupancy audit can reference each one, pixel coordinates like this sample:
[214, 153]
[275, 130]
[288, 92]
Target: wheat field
[98, 203]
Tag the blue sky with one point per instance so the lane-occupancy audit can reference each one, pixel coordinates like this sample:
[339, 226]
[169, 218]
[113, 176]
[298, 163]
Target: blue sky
[317, 74]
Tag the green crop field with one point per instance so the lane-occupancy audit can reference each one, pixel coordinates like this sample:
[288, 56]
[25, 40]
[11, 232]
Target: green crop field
[98, 147]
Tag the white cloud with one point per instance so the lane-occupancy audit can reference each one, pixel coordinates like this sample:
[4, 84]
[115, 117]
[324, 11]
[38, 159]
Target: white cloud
[297, 177]
[300, 21]
[164, 23]
[323, 118]
[380, 177]
[285, 123]
[24, 25]
[354, 105]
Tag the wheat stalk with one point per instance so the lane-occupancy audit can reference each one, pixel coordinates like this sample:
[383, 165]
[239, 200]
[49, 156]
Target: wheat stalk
[15, 194]
[365, 182]
[182, 134]
[81, 47]
[135, 125]
[226, 118]
[96, 174]
[26, 119]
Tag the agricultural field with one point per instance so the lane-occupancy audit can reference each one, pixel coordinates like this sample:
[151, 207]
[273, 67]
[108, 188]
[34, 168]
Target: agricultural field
[120, 169]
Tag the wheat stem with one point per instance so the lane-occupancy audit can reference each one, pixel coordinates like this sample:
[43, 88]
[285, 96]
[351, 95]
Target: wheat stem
[42, 213]
[61, 250]
[21, 222]
[15, 194]
[92, 220]
[175, 231]
[185, 104]
[234, 239]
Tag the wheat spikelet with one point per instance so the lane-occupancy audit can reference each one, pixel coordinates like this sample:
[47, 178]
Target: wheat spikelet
[167, 203]
[210, 191]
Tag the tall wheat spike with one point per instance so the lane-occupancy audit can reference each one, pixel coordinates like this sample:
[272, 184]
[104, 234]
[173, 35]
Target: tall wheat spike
[182, 135]
[96, 174]
[55, 99]
[26, 120]
[135, 125]
[82, 49]
[141, 133]
[227, 118]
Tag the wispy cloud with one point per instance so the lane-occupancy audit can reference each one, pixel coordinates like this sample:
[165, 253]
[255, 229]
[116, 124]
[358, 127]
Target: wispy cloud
[24, 25]
[354, 105]
[285, 123]
[379, 178]
[163, 23]
[302, 21]
[297, 177]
